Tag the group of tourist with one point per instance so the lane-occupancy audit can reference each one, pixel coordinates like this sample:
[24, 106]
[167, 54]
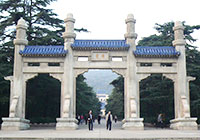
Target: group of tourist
[89, 119]
[109, 119]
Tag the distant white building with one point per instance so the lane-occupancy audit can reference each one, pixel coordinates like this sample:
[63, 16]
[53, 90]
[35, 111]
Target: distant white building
[103, 99]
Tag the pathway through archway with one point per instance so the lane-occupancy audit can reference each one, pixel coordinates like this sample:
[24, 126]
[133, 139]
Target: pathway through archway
[102, 82]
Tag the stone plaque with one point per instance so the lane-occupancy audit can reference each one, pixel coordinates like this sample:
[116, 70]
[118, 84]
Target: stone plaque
[100, 56]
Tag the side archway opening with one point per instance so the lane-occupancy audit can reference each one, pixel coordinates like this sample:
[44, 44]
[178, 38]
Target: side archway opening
[156, 97]
[43, 99]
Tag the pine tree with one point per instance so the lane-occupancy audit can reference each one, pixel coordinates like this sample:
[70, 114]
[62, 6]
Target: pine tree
[44, 28]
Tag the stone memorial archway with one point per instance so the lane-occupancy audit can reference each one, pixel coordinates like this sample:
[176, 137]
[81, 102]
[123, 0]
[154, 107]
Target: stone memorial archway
[133, 62]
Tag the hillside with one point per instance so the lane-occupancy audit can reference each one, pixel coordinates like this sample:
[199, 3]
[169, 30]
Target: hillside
[100, 80]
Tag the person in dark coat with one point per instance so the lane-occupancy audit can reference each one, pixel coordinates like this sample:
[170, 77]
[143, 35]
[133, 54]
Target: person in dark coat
[90, 120]
[115, 118]
[99, 119]
[86, 118]
[109, 121]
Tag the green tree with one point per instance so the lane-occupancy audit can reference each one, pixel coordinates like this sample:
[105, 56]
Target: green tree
[86, 98]
[115, 103]
[165, 35]
[43, 99]
[44, 28]
[156, 96]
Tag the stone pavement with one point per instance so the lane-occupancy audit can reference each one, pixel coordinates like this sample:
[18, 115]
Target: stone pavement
[99, 132]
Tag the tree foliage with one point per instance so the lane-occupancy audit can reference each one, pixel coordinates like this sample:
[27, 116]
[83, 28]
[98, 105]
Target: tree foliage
[165, 35]
[156, 96]
[115, 103]
[86, 98]
[44, 28]
[43, 99]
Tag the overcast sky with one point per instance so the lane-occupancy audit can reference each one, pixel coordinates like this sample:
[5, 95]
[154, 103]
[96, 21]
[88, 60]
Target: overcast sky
[106, 18]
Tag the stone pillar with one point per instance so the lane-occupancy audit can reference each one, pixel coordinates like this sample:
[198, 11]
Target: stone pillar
[182, 120]
[132, 119]
[16, 120]
[67, 119]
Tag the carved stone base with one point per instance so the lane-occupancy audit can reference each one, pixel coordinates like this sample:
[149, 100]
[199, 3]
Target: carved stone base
[184, 124]
[66, 124]
[133, 124]
[15, 124]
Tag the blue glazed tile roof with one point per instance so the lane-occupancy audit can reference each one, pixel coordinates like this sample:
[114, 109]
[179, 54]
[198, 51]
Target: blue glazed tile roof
[156, 51]
[43, 51]
[100, 45]
[141, 51]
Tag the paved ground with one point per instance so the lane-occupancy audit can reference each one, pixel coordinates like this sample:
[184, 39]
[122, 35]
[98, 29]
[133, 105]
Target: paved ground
[99, 132]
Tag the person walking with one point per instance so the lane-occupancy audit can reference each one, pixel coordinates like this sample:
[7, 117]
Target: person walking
[86, 118]
[82, 119]
[109, 121]
[160, 120]
[79, 119]
[90, 120]
[99, 119]
[115, 118]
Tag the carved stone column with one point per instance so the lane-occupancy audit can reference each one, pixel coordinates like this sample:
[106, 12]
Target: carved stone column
[16, 120]
[67, 86]
[134, 122]
[182, 120]
[131, 83]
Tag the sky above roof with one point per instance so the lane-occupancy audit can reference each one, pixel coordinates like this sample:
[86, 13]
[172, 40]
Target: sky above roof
[105, 19]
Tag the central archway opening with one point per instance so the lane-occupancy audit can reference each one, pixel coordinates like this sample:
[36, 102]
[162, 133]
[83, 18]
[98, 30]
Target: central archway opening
[98, 90]
[157, 101]
[43, 101]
